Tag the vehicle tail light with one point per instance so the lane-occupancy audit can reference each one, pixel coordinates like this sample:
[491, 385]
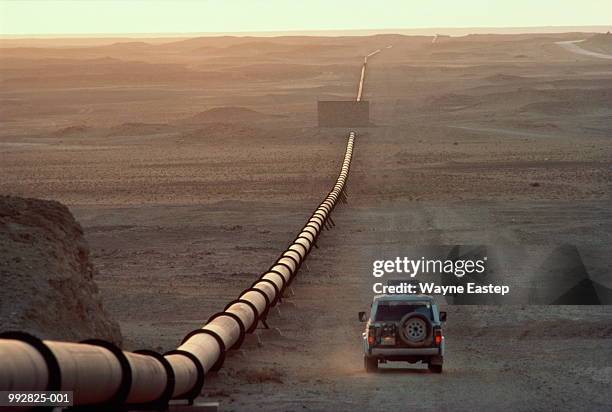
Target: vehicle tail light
[371, 336]
[438, 336]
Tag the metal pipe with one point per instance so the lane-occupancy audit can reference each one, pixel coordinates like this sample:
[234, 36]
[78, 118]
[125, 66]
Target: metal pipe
[185, 373]
[94, 373]
[23, 367]
[101, 374]
[360, 90]
[148, 378]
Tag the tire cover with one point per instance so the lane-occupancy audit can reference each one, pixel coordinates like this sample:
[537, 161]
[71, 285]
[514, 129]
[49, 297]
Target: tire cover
[415, 329]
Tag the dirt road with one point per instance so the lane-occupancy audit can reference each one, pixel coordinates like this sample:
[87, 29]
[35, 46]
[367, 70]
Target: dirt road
[574, 47]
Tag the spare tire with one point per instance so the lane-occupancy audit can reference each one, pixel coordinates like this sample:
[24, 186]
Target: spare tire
[415, 329]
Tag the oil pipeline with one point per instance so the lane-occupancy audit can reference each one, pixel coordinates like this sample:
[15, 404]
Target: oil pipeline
[102, 377]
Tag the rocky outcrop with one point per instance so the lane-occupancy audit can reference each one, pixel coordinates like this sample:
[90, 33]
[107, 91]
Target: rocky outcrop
[47, 283]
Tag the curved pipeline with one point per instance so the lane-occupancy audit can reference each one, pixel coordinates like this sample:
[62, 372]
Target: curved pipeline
[100, 374]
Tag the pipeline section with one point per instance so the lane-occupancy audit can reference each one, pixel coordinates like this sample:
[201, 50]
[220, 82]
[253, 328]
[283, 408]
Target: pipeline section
[363, 73]
[362, 79]
[103, 377]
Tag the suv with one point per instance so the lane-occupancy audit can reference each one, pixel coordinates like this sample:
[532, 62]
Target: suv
[403, 328]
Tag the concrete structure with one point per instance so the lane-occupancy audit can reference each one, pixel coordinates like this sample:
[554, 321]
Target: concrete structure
[337, 113]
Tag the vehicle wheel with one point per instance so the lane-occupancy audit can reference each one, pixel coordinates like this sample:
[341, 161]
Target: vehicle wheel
[370, 363]
[435, 368]
[415, 329]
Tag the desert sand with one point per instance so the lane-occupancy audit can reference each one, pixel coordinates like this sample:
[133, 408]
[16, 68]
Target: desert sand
[191, 164]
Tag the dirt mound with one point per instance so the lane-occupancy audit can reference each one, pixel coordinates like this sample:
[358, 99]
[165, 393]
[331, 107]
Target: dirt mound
[501, 77]
[46, 277]
[527, 99]
[228, 114]
[554, 108]
[451, 101]
[71, 131]
[571, 101]
[139, 129]
[279, 71]
[223, 131]
[258, 47]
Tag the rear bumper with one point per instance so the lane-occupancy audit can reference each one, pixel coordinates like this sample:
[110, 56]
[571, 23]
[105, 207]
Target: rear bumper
[405, 351]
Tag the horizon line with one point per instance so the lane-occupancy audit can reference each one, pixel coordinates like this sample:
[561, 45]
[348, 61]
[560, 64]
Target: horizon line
[274, 33]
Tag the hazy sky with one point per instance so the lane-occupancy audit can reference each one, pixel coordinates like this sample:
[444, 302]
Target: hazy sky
[197, 16]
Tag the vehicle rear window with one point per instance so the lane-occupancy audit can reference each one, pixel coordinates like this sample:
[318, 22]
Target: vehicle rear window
[393, 312]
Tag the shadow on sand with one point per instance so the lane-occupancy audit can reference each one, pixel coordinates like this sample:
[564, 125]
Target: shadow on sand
[403, 368]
